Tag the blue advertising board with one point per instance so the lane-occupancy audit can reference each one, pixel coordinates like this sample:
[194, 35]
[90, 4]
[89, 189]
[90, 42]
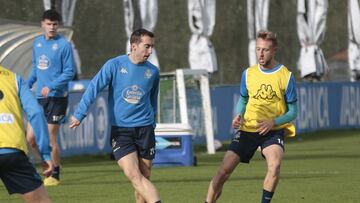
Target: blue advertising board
[92, 135]
[321, 106]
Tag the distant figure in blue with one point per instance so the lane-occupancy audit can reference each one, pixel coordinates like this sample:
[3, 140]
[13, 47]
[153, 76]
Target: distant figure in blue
[133, 92]
[53, 68]
[16, 172]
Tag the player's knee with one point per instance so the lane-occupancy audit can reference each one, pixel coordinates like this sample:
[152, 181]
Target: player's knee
[132, 175]
[54, 146]
[223, 174]
[274, 170]
[146, 174]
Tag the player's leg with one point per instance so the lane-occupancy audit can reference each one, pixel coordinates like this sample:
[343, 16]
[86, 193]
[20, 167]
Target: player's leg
[274, 155]
[145, 169]
[145, 143]
[130, 165]
[241, 149]
[55, 149]
[230, 161]
[55, 110]
[38, 195]
[126, 152]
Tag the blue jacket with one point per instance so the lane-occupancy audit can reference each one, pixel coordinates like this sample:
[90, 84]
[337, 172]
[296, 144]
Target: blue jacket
[53, 65]
[133, 92]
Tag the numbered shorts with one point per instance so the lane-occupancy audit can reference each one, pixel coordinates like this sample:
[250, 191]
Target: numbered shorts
[54, 109]
[125, 140]
[18, 174]
[245, 144]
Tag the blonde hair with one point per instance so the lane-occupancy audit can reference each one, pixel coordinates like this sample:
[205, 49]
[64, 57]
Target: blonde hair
[267, 35]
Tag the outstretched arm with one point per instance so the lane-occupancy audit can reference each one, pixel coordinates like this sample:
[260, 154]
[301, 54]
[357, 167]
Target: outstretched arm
[98, 83]
[37, 120]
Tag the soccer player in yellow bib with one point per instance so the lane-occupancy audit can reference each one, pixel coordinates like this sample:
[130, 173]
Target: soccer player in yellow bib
[267, 105]
[16, 172]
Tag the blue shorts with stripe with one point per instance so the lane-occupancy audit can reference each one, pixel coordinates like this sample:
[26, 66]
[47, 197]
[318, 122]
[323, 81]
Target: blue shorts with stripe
[125, 140]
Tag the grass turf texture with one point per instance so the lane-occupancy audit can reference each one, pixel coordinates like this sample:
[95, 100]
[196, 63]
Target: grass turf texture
[318, 167]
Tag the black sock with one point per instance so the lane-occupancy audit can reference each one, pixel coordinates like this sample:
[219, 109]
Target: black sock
[266, 198]
[158, 201]
[56, 173]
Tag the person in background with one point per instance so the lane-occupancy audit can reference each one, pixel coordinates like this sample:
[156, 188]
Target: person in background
[16, 171]
[267, 105]
[53, 68]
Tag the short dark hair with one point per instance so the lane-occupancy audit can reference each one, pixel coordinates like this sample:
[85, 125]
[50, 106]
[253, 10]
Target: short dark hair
[52, 15]
[267, 35]
[137, 34]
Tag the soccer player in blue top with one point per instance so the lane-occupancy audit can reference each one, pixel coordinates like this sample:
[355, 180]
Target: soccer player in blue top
[267, 105]
[16, 172]
[53, 68]
[133, 92]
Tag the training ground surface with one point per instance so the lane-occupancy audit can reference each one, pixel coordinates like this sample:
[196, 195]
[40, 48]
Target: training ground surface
[318, 167]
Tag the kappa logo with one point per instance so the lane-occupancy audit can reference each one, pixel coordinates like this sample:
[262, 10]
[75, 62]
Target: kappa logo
[123, 70]
[237, 135]
[113, 141]
[152, 151]
[266, 93]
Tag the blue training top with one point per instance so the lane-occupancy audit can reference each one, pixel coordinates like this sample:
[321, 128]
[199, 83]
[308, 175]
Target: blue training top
[133, 92]
[36, 117]
[53, 65]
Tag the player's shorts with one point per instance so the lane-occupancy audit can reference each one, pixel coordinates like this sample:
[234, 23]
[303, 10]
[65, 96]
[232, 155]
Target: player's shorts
[125, 140]
[18, 174]
[54, 108]
[245, 144]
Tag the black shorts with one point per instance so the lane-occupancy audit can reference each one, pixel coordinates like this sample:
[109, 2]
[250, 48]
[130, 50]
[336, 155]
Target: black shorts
[126, 140]
[245, 144]
[18, 174]
[54, 108]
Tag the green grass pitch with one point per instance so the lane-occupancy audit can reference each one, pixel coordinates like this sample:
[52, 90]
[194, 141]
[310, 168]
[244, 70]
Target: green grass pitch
[322, 167]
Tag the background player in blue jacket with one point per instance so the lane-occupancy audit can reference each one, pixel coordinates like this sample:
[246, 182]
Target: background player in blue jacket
[53, 68]
[133, 91]
[16, 172]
